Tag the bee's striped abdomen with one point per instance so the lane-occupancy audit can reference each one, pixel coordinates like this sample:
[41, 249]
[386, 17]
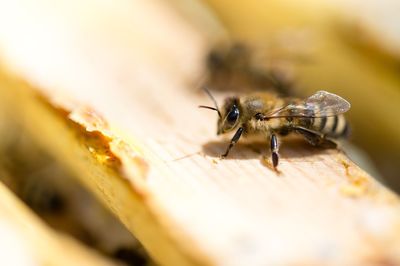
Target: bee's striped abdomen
[318, 118]
[332, 126]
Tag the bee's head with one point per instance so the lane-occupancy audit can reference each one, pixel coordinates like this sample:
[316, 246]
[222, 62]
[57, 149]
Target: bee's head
[230, 114]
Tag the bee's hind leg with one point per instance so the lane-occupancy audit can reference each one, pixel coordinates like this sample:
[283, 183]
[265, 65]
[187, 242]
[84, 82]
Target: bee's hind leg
[316, 138]
[274, 145]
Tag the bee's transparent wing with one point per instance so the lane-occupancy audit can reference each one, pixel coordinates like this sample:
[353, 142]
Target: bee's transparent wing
[320, 104]
[327, 103]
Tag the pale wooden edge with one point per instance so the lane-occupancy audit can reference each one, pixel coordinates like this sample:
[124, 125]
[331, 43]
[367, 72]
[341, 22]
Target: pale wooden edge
[103, 163]
[42, 244]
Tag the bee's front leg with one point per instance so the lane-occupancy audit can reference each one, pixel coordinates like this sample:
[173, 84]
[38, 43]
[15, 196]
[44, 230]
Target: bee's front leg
[234, 140]
[274, 145]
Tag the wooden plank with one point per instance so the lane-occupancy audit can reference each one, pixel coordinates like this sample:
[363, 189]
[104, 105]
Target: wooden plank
[26, 240]
[153, 160]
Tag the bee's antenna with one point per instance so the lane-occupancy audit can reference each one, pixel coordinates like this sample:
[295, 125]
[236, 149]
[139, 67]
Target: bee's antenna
[213, 99]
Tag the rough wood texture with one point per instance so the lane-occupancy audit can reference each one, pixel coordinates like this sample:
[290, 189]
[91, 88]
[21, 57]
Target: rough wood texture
[27, 241]
[155, 163]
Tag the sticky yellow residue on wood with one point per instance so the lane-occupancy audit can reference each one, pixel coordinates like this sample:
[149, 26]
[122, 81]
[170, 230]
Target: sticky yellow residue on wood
[107, 148]
[90, 119]
[357, 183]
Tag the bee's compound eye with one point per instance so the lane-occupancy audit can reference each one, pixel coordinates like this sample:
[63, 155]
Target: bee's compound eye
[233, 115]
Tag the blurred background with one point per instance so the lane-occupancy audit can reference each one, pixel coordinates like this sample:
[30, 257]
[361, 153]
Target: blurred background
[291, 47]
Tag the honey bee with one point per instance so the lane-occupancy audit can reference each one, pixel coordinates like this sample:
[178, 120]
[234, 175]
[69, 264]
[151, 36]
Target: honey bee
[319, 118]
[240, 68]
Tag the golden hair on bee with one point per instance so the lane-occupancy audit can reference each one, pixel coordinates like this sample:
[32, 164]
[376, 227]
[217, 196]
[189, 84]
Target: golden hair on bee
[318, 118]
